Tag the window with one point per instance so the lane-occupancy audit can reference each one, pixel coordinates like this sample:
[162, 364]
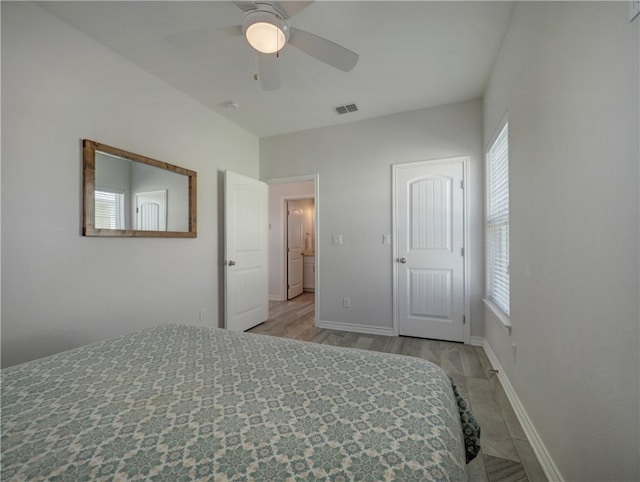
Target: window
[109, 209]
[497, 220]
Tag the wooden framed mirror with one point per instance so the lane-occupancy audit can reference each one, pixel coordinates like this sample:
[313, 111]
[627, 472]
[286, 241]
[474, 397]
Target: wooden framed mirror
[129, 195]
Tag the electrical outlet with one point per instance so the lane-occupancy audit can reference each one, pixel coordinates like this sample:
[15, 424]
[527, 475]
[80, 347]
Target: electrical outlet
[634, 9]
[336, 239]
[203, 314]
[386, 239]
[346, 302]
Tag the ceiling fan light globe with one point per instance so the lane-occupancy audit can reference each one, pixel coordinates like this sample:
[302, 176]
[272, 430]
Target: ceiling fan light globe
[265, 29]
[265, 37]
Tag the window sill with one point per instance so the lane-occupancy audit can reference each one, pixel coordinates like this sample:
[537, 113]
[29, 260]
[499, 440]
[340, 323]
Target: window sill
[499, 314]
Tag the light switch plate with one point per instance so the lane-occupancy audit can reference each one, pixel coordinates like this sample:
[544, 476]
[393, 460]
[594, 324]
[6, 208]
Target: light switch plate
[634, 9]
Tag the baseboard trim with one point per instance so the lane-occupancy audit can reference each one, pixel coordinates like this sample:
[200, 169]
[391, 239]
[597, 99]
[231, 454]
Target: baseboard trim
[546, 462]
[275, 298]
[370, 330]
[476, 341]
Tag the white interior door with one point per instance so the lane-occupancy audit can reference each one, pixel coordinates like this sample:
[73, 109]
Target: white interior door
[429, 246]
[246, 257]
[151, 210]
[295, 245]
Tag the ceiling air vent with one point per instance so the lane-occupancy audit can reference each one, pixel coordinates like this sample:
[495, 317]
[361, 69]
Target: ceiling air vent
[345, 109]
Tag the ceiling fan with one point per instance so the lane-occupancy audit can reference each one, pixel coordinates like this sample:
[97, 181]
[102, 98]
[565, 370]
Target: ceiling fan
[266, 28]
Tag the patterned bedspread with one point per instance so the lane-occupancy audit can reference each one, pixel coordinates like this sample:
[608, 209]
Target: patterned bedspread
[190, 403]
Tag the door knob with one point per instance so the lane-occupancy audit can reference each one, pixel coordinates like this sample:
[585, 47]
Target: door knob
[231, 263]
[402, 260]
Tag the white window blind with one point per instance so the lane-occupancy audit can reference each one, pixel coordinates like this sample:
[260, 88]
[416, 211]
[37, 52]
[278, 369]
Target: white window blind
[109, 209]
[497, 219]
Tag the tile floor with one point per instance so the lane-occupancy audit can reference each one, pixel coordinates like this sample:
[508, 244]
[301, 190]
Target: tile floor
[506, 454]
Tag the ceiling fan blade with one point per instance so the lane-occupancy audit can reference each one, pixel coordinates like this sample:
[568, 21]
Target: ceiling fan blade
[269, 71]
[245, 6]
[231, 30]
[193, 38]
[290, 8]
[322, 49]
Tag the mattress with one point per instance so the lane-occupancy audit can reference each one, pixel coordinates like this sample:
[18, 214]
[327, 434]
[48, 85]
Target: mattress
[191, 403]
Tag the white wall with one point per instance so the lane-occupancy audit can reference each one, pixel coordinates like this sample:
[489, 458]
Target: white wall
[61, 290]
[278, 194]
[354, 166]
[568, 76]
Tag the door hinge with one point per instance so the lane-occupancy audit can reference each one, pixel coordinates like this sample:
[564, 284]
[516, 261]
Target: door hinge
[462, 251]
[461, 184]
[464, 319]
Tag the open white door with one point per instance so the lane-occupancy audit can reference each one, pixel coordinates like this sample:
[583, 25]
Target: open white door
[246, 257]
[295, 244]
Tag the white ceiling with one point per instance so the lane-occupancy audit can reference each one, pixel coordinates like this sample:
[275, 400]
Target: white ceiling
[413, 55]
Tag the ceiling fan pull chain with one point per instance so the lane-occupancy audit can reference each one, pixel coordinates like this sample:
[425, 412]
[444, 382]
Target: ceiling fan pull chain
[256, 76]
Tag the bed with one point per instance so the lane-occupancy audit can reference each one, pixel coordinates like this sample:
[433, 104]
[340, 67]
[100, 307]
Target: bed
[181, 402]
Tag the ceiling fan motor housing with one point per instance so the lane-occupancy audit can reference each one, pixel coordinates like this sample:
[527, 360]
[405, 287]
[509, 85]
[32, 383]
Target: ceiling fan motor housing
[265, 29]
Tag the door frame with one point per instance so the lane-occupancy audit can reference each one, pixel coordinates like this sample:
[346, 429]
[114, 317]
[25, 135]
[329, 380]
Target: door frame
[465, 228]
[316, 189]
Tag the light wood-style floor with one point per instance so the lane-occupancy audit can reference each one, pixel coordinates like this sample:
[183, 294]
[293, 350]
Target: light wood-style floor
[506, 453]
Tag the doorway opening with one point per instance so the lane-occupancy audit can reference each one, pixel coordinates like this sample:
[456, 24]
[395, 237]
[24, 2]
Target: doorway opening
[293, 253]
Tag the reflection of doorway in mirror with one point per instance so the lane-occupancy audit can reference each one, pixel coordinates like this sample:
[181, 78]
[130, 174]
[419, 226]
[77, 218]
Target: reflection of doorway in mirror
[151, 210]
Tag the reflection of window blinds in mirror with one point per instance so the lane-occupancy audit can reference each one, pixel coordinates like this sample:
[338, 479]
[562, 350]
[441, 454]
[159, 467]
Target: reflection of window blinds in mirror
[109, 209]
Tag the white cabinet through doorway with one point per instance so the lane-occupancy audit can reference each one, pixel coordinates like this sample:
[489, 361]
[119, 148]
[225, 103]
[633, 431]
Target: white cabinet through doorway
[309, 276]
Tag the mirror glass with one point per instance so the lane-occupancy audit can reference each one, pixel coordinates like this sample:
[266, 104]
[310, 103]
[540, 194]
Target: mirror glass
[126, 194]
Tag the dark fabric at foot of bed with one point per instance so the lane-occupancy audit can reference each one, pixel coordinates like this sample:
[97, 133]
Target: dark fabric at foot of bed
[470, 427]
